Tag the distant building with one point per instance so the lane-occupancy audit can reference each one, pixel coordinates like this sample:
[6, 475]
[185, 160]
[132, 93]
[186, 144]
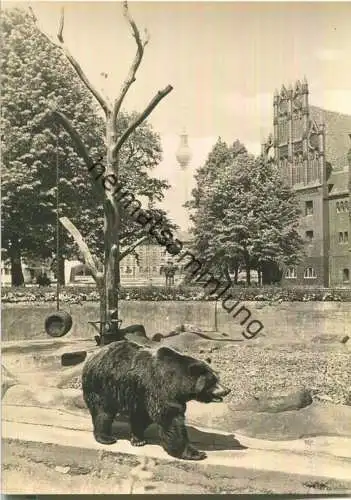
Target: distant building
[30, 269]
[148, 268]
[312, 148]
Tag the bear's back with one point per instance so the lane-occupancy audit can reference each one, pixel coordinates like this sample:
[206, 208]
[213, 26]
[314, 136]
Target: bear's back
[112, 359]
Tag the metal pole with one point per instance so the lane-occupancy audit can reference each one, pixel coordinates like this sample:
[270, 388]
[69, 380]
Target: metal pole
[57, 230]
[216, 319]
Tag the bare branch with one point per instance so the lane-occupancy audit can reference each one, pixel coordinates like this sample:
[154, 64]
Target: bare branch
[79, 144]
[74, 63]
[83, 247]
[61, 26]
[78, 68]
[33, 16]
[128, 250]
[135, 65]
[151, 106]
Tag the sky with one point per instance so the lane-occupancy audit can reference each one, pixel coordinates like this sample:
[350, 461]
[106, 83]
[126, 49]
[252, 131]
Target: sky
[224, 60]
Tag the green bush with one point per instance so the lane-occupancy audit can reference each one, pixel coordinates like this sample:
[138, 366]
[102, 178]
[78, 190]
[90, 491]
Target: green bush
[80, 294]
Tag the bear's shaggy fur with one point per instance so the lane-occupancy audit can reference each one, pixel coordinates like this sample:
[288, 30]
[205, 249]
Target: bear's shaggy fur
[148, 386]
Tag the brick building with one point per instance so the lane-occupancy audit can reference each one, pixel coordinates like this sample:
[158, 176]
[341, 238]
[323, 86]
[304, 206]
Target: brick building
[313, 149]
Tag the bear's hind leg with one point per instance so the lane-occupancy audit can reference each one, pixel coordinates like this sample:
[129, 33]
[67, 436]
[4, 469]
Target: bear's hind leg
[102, 422]
[175, 441]
[139, 421]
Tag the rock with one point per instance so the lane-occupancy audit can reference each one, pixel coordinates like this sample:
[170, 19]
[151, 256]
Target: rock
[7, 380]
[157, 337]
[214, 348]
[323, 397]
[173, 333]
[63, 470]
[275, 402]
[79, 402]
[184, 328]
[330, 338]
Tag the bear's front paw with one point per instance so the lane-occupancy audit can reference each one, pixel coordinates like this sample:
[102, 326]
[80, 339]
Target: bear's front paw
[191, 453]
[104, 439]
[135, 441]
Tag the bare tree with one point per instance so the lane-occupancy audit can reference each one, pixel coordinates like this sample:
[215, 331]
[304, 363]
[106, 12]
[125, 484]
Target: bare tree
[106, 275]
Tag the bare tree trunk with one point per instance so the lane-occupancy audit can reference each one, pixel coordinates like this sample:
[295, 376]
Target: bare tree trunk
[248, 272]
[107, 281]
[17, 278]
[236, 274]
[111, 231]
[227, 275]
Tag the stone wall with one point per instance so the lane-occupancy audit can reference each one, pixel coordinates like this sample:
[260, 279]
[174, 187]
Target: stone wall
[293, 320]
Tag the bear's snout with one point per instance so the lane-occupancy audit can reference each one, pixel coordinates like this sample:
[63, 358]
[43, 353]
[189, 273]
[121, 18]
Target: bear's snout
[219, 392]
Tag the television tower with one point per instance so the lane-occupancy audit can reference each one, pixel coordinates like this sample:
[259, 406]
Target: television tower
[184, 156]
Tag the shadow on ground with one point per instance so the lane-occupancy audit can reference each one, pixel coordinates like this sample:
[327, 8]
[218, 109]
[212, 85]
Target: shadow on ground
[203, 440]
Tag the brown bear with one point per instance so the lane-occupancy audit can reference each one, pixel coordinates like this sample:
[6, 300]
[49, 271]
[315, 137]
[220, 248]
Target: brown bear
[148, 386]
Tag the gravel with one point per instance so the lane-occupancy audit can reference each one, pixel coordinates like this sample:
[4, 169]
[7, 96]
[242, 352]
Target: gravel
[250, 369]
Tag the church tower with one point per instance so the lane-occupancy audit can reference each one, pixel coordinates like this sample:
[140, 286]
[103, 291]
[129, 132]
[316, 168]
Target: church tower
[298, 146]
[298, 140]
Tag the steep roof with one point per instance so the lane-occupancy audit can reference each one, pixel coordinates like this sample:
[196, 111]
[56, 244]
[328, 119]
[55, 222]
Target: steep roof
[338, 128]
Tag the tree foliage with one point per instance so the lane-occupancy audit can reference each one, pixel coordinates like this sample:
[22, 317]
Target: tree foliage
[243, 214]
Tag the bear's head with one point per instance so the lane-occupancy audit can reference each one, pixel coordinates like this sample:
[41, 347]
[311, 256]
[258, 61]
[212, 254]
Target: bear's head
[187, 378]
[207, 388]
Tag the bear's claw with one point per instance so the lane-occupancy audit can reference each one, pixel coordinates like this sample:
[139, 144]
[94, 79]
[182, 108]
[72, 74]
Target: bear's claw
[194, 454]
[134, 441]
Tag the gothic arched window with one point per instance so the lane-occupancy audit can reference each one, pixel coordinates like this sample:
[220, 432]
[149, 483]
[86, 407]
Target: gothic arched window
[310, 273]
[297, 126]
[290, 273]
[310, 169]
[283, 131]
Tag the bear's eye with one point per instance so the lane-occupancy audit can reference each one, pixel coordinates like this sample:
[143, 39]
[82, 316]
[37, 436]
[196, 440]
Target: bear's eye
[212, 382]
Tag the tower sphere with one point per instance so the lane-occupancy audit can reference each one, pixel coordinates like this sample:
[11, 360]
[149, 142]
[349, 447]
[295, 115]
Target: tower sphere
[183, 153]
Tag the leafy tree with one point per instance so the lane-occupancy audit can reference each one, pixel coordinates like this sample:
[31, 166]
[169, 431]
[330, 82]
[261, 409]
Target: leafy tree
[35, 74]
[115, 150]
[243, 214]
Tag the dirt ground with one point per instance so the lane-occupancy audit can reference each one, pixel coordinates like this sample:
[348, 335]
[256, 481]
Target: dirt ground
[32, 467]
[264, 366]
[248, 368]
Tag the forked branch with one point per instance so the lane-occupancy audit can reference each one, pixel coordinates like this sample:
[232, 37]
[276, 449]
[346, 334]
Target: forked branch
[151, 106]
[74, 63]
[135, 65]
[78, 68]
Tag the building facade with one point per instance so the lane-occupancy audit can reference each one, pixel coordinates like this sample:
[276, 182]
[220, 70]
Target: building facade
[148, 268]
[312, 149]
